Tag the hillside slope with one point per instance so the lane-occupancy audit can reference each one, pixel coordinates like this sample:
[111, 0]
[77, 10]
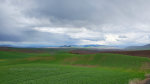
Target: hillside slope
[61, 67]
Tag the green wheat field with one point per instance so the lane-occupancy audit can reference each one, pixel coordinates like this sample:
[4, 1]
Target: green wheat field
[58, 66]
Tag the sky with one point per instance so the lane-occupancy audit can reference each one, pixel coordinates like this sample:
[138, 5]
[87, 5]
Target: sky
[75, 22]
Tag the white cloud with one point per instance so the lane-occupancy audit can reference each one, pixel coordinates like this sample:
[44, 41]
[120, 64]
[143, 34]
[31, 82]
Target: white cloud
[109, 38]
[77, 33]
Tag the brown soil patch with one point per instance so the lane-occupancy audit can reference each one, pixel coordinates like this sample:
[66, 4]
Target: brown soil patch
[146, 66]
[141, 53]
[137, 81]
[146, 81]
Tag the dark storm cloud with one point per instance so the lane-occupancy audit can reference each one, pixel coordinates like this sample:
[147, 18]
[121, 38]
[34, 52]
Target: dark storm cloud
[90, 11]
[5, 37]
[72, 12]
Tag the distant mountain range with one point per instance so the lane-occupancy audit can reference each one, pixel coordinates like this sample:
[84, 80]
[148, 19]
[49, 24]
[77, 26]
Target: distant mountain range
[145, 47]
[82, 45]
[92, 46]
[6, 46]
[63, 46]
[27, 46]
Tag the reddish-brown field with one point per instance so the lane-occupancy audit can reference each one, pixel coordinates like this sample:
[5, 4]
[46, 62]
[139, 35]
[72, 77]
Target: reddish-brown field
[22, 50]
[142, 53]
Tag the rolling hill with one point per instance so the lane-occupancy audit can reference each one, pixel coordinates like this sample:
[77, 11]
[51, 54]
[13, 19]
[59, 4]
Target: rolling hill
[145, 47]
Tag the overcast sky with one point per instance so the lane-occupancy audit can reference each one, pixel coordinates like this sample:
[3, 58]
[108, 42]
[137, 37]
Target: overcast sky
[75, 22]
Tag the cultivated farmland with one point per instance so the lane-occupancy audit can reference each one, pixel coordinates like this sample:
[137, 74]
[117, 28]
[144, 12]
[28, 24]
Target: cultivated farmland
[61, 66]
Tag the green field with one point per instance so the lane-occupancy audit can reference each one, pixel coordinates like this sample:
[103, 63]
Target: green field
[58, 66]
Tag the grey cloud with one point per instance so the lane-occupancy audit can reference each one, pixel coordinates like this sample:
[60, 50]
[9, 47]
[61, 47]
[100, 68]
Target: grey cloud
[91, 12]
[122, 36]
[18, 18]
[6, 37]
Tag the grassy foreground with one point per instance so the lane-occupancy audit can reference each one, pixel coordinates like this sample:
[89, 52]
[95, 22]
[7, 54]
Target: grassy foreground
[60, 67]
